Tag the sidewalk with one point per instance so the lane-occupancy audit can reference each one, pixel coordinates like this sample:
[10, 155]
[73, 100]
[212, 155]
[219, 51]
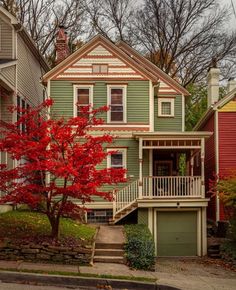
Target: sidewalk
[185, 274]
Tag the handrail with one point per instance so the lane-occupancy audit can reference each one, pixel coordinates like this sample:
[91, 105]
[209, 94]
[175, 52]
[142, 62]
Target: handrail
[125, 197]
[158, 187]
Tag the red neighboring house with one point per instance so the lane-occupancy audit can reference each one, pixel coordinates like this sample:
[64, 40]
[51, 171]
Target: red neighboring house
[220, 148]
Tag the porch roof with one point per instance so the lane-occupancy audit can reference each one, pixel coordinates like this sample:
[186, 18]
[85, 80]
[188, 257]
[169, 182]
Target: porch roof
[172, 135]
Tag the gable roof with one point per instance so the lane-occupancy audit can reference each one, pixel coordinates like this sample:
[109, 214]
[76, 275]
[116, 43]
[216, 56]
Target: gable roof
[26, 37]
[152, 67]
[214, 108]
[99, 39]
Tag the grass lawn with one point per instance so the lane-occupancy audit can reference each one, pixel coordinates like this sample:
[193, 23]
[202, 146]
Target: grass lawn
[17, 226]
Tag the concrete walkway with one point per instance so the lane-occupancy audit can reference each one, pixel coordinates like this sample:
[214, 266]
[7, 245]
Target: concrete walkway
[185, 274]
[110, 235]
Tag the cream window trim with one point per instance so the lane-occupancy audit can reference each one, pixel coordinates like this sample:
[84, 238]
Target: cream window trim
[76, 87]
[172, 107]
[124, 157]
[124, 89]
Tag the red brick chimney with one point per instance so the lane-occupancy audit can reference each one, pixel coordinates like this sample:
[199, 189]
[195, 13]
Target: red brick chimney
[62, 48]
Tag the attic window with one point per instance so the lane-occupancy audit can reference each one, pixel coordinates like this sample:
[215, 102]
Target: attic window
[166, 107]
[100, 68]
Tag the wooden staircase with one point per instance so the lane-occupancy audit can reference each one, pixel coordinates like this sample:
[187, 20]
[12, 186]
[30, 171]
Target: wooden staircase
[125, 201]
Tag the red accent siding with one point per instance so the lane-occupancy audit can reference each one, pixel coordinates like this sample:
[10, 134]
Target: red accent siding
[210, 165]
[227, 146]
[227, 142]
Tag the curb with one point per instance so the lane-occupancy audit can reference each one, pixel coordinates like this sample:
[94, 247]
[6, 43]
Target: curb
[98, 283]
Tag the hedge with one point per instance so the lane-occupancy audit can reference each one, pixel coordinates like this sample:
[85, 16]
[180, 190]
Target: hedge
[140, 247]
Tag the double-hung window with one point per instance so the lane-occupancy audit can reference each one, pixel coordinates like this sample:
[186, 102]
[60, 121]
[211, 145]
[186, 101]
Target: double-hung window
[117, 104]
[117, 159]
[22, 104]
[83, 95]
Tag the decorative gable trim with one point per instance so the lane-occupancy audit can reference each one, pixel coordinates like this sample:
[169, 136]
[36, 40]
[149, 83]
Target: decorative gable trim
[104, 47]
[165, 80]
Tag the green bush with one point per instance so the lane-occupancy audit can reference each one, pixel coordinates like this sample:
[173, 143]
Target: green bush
[139, 248]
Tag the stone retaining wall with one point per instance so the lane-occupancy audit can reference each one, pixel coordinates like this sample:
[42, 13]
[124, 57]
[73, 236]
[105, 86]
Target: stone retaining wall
[46, 253]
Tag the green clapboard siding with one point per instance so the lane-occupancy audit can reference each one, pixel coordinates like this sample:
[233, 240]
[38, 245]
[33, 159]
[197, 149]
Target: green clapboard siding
[137, 99]
[62, 94]
[172, 123]
[132, 162]
[143, 216]
[177, 233]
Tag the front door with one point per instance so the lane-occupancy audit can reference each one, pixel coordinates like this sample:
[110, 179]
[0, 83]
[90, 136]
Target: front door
[163, 168]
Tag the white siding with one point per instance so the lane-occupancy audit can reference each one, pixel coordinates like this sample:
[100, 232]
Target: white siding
[29, 74]
[5, 40]
[9, 73]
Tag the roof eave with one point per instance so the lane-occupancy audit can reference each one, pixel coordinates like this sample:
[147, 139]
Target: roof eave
[31, 45]
[154, 67]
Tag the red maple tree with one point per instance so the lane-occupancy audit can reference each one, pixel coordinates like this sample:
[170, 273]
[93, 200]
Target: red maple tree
[55, 162]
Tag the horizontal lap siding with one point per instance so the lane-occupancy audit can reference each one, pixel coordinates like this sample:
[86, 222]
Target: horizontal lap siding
[227, 147]
[227, 142]
[132, 162]
[6, 40]
[9, 73]
[62, 94]
[29, 74]
[6, 102]
[137, 99]
[169, 123]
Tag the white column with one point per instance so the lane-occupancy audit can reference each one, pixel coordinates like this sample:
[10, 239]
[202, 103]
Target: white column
[204, 232]
[140, 184]
[202, 167]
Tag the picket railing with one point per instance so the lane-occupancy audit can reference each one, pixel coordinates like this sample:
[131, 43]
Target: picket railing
[171, 186]
[158, 187]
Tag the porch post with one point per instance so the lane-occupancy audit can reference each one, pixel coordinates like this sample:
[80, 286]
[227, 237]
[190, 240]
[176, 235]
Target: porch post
[140, 184]
[202, 167]
[191, 163]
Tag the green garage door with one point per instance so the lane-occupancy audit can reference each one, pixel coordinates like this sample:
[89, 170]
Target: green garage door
[177, 233]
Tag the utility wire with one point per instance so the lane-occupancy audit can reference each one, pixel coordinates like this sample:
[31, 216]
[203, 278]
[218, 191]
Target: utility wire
[233, 8]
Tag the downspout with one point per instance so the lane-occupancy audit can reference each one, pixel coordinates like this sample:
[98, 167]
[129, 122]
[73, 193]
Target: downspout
[152, 103]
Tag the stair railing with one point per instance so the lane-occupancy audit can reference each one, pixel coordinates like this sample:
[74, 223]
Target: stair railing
[124, 197]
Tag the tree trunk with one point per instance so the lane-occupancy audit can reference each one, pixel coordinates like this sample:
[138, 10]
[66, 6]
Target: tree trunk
[54, 222]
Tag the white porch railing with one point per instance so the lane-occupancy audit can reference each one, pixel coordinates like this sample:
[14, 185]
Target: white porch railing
[158, 187]
[171, 186]
[125, 197]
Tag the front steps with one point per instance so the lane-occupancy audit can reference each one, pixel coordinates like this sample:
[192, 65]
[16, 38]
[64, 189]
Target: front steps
[126, 211]
[213, 251]
[109, 253]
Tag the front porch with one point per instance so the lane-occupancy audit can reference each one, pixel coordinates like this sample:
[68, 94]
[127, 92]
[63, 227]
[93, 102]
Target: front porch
[167, 180]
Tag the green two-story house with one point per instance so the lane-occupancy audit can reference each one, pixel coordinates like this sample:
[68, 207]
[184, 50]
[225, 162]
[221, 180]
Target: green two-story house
[165, 164]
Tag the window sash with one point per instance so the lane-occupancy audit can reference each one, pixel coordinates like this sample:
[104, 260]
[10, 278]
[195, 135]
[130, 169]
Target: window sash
[116, 104]
[100, 68]
[166, 108]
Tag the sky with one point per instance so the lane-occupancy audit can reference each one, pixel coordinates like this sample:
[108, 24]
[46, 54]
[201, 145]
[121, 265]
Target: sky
[229, 2]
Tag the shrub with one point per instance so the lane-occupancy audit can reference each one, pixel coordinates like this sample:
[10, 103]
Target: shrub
[139, 248]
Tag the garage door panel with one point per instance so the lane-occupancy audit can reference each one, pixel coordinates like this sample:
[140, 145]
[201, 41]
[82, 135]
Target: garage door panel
[177, 233]
[176, 250]
[177, 237]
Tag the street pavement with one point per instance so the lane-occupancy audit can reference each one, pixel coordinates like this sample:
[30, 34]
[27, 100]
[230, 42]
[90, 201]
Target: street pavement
[184, 274]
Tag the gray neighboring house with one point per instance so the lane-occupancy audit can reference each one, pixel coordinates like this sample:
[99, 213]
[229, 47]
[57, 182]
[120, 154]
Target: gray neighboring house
[21, 69]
